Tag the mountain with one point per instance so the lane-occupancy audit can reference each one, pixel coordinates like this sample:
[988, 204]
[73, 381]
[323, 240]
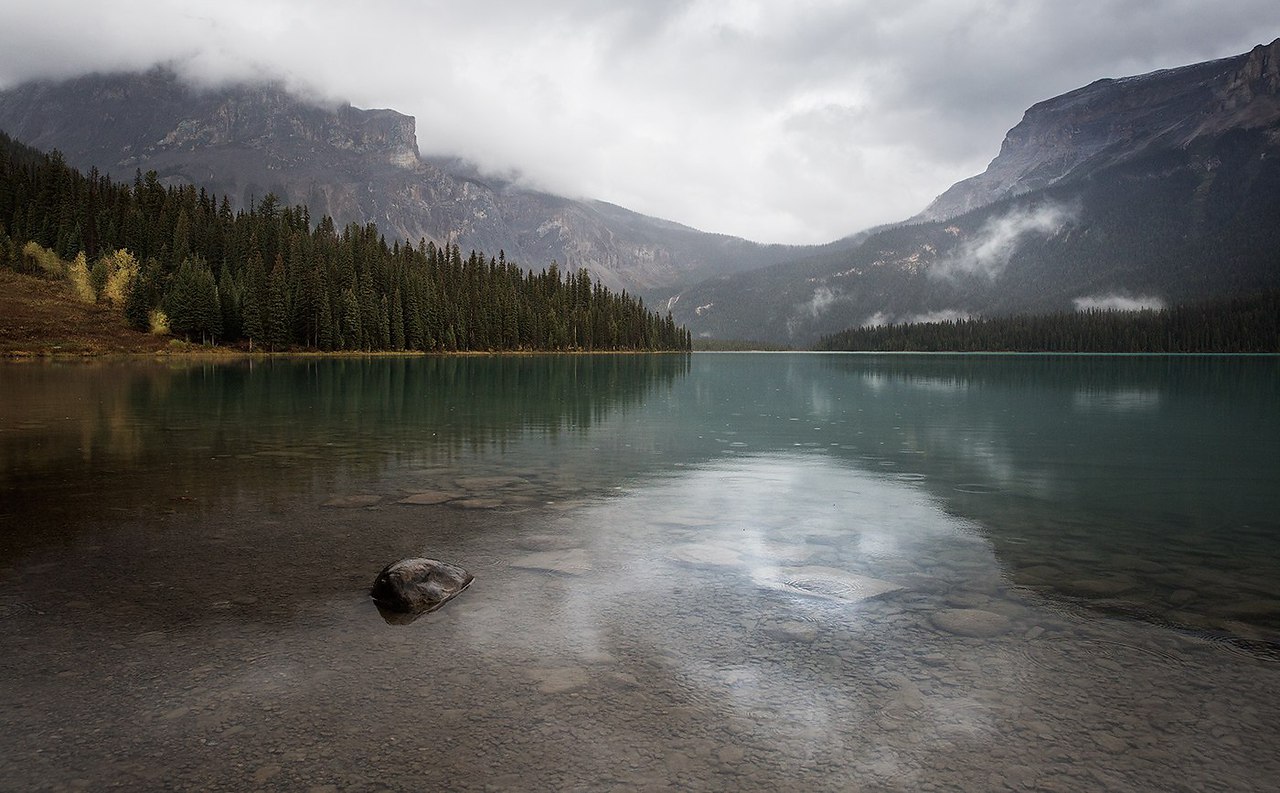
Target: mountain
[356, 165]
[1145, 190]
[1111, 121]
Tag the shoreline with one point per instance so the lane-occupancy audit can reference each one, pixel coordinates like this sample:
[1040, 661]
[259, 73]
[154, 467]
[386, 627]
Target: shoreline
[231, 354]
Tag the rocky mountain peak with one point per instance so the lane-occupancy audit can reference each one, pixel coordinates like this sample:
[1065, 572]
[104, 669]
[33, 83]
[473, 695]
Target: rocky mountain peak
[1252, 96]
[133, 118]
[1111, 120]
[267, 117]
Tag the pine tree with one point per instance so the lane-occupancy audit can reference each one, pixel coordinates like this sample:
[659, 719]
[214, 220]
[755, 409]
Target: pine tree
[191, 301]
[277, 314]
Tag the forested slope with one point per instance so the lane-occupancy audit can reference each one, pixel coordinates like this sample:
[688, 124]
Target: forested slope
[180, 258]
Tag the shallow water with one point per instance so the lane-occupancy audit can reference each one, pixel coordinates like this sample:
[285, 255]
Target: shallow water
[724, 571]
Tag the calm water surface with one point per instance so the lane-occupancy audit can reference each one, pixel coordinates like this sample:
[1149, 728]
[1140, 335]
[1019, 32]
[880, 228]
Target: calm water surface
[751, 571]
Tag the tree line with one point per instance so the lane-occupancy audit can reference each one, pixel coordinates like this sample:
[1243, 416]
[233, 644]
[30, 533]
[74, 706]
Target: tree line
[1243, 324]
[178, 259]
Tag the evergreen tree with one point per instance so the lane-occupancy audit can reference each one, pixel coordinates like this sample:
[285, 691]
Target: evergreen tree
[252, 306]
[192, 303]
[277, 316]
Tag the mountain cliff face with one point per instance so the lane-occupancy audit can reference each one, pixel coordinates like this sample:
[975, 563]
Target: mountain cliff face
[1147, 190]
[1111, 121]
[355, 165]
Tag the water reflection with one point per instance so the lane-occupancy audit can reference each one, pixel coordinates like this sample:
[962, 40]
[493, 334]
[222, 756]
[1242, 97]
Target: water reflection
[1142, 487]
[82, 441]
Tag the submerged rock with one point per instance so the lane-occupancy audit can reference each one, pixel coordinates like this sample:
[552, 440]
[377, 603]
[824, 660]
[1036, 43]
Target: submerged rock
[409, 588]
[792, 631]
[570, 561]
[353, 501]
[974, 623]
[827, 583]
[430, 497]
[705, 553]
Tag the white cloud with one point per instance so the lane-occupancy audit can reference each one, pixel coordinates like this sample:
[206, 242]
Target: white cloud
[989, 252]
[1118, 303]
[823, 298]
[943, 315]
[790, 122]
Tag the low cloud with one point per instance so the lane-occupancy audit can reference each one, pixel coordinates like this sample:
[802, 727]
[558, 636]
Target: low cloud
[823, 298]
[882, 318]
[1118, 303]
[945, 315]
[991, 250]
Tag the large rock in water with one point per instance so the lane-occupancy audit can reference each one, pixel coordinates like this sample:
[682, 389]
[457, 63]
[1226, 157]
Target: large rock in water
[409, 588]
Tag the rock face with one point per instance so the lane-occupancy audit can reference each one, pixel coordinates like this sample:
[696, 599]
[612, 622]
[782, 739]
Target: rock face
[243, 141]
[1110, 121]
[409, 588]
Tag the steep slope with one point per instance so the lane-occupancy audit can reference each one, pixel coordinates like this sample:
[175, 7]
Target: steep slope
[1111, 121]
[243, 141]
[1184, 205]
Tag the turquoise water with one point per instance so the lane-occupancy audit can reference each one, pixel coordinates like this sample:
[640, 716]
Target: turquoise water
[748, 571]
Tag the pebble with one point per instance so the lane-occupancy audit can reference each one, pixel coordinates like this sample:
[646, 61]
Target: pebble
[731, 755]
[1110, 743]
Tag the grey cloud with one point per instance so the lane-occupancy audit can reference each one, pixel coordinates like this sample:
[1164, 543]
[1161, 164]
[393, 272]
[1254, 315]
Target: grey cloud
[775, 121]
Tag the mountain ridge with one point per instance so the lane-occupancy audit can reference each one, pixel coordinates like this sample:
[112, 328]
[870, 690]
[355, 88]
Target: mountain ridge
[244, 141]
[1073, 133]
[1175, 200]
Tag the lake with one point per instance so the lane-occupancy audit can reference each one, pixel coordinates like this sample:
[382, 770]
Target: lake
[717, 571]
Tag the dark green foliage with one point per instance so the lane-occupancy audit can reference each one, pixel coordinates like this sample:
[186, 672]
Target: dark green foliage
[144, 294]
[326, 288]
[1237, 325]
[231, 296]
[277, 307]
[192, 302]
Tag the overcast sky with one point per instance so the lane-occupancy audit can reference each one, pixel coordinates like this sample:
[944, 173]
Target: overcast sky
[781, 121]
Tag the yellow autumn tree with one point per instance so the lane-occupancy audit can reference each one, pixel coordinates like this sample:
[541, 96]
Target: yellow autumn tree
[78, 275]
[121, 269]
[39, 259]
[158, 322]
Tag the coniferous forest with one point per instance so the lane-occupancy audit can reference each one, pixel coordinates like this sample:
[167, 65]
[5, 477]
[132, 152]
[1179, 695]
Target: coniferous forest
[180, 260]
[1247, 324]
